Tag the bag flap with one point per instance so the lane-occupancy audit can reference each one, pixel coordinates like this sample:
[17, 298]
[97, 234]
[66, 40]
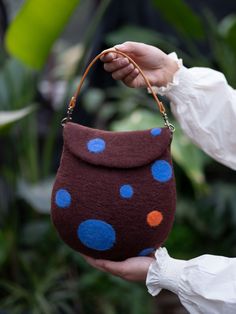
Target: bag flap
[126, 149]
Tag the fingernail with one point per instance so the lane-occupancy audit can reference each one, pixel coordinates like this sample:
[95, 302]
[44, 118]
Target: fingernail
[119, 46]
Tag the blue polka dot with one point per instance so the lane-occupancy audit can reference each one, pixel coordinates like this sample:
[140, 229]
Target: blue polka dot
[63, 198]
[96, 145]
[96, 234]
[161, 170]
[147, 251]
[156, 131]
[126, 191]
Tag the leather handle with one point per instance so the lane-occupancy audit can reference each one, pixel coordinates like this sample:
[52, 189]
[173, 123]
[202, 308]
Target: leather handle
[159, 103]
[76, 94]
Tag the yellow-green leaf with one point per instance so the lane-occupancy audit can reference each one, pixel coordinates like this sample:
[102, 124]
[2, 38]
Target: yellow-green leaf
[36, 27]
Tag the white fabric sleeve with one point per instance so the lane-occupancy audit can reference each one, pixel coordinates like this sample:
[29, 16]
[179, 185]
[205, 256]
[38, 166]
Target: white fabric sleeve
[204, 285]
[205, 106]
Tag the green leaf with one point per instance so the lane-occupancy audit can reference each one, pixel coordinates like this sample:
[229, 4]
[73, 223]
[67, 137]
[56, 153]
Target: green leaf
[37, 195]
[227, 28]
[141, 34]
[180, 15]
[138, 120]
[165, 42]
[9, 117]
[17, 85]
[36, 27]
[93, 99]
[191, 159]
[221, 38]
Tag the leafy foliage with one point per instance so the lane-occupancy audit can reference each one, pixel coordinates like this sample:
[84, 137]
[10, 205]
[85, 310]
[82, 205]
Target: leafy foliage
[32, 33]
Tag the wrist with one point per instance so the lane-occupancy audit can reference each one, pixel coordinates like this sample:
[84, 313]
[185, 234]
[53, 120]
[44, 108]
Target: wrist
[170, 68]
[142, 268]
[165, 74]
[174, 77]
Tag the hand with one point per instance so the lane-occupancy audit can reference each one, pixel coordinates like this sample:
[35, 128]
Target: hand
[132, 269]
[158, 67]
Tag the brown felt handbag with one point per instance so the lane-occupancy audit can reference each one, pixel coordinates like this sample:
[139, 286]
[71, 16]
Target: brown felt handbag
[114, 195]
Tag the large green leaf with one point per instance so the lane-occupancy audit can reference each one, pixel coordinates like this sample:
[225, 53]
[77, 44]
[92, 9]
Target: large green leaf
[36, 27]
[180, 15]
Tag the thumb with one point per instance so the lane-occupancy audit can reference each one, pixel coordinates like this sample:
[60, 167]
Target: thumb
[131, 47]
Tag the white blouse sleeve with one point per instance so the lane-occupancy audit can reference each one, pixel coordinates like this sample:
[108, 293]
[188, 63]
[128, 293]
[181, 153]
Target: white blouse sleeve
[204, 285]
[205, 106]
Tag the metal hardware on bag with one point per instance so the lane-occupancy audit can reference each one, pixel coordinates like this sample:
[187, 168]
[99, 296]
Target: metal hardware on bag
[68, 117]
[69, 111]
[167, 123]
[73, 99]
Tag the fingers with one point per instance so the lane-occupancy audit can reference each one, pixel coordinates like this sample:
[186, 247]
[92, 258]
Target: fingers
[128, 47]
[116, 64]
[115, 268]
[121, 69]
[132, 269]
[133, 48]
[131, 77]
[119, 66]
[122, 73]
[92, 261]
[108, 57]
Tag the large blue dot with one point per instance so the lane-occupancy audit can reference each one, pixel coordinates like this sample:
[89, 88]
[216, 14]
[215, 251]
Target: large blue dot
[126, 191]
[161, 170]
[156, 131]
[63, 198]
[146, 252]
[96, 234]
[96, 145]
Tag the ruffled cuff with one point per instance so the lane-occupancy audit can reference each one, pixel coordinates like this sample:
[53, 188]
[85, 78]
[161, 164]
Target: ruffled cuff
[164, 273]
[163, 90]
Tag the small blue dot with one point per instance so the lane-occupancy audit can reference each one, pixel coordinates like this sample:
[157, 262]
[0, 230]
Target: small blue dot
[126, 191]
[156, 131]
[96, 234]
[96, 145]
[147, 251]
[161, 170]
[63, 198]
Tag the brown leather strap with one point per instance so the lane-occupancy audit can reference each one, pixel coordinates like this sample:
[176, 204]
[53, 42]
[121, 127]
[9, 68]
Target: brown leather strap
[76, 94]
[159, 103]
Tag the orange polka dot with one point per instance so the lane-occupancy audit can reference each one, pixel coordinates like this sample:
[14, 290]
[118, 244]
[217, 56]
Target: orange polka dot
[154, 218]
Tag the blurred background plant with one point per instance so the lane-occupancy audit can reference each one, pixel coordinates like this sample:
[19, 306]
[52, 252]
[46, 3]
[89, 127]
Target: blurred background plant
[46, 50]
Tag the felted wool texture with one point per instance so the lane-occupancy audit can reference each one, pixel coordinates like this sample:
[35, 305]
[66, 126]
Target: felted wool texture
[105, 191]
